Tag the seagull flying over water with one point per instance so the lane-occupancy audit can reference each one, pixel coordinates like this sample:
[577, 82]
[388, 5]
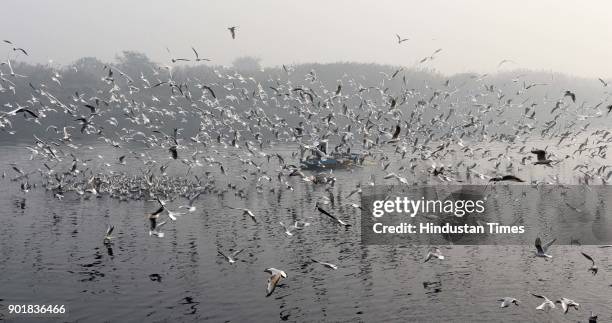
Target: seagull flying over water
[275, 277]
[566, 303]
[326, 264]
[593, 269]
[546, 305]
[506, 301]
[434, 253]
[542, 249]
[232, 257]
[107, 236]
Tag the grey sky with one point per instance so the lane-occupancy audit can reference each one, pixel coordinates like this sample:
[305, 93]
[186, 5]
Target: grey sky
[564, 36]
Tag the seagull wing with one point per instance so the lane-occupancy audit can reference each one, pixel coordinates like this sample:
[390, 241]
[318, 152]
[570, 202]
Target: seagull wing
[549, 243]
[538, 245]
[160, 210]
[224, 255]
[272, 282]
[588, 257]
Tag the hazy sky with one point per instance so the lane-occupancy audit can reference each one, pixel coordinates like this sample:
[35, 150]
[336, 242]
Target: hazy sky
[565, 36]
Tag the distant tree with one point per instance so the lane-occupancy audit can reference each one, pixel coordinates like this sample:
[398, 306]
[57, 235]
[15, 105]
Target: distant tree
[133, 63]
[247, 63]
[90, 65]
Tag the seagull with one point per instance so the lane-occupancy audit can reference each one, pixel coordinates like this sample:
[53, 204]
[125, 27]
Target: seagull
[153, 221]
[245, 212]
[400, 39]
[434, 253]
[21, 50]
[541, 155]
[173, 152]
[541, 250]
[510, 178]
[232, 257]
[546, 305]
[506, 301]
[331, 216]
[592, 318]
[19, 110]
[571, 94]
[566, 303]
[155, 229]
[198, 59]
[190, 207]
[593, 269]
[326, 264]
[274, 279]
[287, 229]
[604, 83]
[232, 31]
[172, 215]
[107, 236]
[504, 62]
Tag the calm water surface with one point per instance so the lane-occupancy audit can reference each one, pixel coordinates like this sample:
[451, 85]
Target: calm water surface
[52, 252]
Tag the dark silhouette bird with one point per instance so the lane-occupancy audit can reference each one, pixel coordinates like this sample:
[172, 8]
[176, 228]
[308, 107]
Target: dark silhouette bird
[21, 50]
[232, 31]
[400, 39]
[604, 83]
[19, 110]
[593, 269]
[510, 178]
[571, 94]
[396, 134]
[541, 155]
[173, 152]
[331, 216]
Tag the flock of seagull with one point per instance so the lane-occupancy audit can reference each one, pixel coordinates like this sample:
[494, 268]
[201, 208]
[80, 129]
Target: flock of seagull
[395, 131]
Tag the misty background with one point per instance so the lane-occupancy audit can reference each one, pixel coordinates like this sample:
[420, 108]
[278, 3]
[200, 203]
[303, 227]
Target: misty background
[561, 36]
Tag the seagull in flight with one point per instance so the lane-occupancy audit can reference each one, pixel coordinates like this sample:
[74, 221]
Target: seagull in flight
[400, 39]
[510, 178]
[288, 229]
[566, 303]
[107, 236]
[542, 249]
[593, 269]
[190, 207]
[275, 277]
[541, 156]
[326, 264]
[232, 31]
[198, 59]
[154, 226]
[245, 212]
[434, 253]
[504, 62]
[339, 221]
[232, 257]
[507, 301]
[546, 305]
[604, 83]
[571, 94]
